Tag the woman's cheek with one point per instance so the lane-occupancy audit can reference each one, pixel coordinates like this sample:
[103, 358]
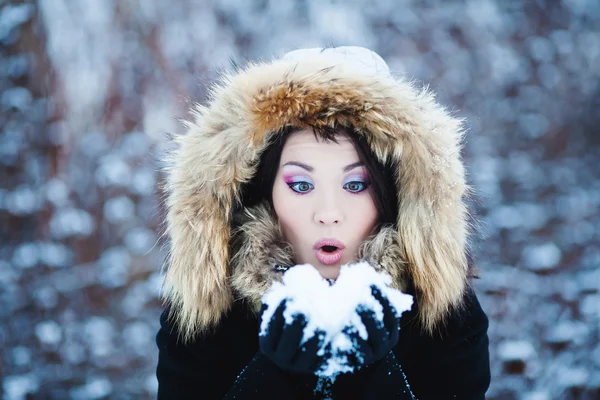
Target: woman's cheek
[286, 210]
[280, 198]
[364, 214]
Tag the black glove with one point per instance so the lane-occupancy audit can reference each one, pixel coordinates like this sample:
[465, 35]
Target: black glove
[382, 335]
[281, 343]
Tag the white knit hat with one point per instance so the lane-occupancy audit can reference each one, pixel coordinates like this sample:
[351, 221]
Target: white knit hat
[358, 59]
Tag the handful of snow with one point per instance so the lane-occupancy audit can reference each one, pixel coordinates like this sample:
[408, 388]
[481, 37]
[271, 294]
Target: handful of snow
[332, 309]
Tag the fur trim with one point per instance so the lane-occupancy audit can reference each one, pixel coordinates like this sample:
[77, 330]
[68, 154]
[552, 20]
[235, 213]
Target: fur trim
[260, 247]
[221, 149]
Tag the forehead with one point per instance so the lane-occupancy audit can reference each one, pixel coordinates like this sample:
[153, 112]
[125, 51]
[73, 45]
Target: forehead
[304, 144]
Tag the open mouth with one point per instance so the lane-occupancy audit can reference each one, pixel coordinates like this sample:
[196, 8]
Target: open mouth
[329, 249]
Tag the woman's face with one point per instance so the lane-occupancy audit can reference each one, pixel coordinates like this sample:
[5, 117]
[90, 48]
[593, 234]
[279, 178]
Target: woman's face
[323, 201]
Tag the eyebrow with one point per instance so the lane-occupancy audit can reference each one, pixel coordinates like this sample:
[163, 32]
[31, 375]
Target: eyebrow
[311, 169]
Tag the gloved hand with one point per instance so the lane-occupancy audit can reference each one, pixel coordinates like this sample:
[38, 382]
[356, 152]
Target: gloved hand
[382, 334]
[282, 343]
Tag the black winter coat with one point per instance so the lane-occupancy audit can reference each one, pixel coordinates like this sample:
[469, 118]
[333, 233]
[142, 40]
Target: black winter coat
[455, 366]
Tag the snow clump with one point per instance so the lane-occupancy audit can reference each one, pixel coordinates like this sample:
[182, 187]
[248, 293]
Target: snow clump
[332, 308]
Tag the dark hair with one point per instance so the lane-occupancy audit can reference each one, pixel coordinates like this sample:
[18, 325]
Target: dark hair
[383, 187]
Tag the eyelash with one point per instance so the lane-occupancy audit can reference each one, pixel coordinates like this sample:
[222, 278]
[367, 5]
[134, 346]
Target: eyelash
[363, 188]
[294, 187]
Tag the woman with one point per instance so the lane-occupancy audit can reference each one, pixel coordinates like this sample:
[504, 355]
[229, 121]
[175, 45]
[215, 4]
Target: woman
[321, 144]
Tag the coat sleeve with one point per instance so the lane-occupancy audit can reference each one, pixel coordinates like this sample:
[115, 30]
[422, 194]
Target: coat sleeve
[454, 365]
[207, 366]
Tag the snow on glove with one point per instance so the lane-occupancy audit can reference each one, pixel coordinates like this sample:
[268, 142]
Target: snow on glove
[309, 325]
[282, 342]
[382, 333]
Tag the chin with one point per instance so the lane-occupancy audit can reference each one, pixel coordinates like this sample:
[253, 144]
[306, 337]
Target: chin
[329, 271]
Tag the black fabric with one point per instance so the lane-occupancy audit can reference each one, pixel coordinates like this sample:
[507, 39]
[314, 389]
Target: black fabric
[383, 379]
[452, 366]
[206, 367]
[281, 343]
[262, 379]
[387, 381]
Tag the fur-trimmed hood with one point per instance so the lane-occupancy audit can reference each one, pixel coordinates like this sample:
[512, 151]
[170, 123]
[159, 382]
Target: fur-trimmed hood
[209, 265]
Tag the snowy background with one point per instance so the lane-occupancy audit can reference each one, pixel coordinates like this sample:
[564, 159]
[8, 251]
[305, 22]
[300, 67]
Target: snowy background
[88, 90]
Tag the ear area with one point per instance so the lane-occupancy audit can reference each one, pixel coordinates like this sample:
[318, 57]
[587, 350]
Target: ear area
[382, 251]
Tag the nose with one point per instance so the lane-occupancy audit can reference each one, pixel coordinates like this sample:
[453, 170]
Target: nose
[329, 217]
[328, 208]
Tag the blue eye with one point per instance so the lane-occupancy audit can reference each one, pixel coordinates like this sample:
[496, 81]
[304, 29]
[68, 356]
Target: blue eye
[355, 186]
[301, 187]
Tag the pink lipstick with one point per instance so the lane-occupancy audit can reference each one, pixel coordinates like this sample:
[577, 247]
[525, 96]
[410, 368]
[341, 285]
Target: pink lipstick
[329, 251]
